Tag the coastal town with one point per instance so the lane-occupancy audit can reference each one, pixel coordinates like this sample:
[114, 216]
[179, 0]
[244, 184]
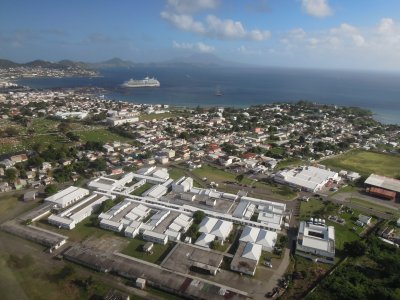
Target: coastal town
[203, 203]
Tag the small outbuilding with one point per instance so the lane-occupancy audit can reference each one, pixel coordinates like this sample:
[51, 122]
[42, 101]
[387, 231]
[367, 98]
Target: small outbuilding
[140, 283]
[30, 196]
[147, 247]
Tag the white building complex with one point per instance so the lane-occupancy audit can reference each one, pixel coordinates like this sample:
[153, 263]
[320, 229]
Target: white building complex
[265, 238]
[67, 196]
[211, 229]
[184, 184]
[307, 178]
[316, 241]
[77, 213]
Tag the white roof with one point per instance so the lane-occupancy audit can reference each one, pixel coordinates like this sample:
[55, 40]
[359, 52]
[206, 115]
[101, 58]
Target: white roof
[252, 251]
[308, 177]
[162, 174]
[384, 182]
[222, 229]
[207, 224]
[175, 227]
[68, 194]
[267, 239]
[156, 191]
[204, 240]
[240, 209]
[317, 236]
[249, 234]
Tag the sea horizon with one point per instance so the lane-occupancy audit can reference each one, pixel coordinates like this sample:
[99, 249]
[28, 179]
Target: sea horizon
[244, 87]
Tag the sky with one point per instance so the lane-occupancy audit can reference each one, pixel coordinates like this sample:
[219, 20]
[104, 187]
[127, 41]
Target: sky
[339, 34]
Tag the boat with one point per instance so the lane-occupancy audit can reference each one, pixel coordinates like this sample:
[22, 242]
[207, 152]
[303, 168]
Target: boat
[146, 82]
[218, 92]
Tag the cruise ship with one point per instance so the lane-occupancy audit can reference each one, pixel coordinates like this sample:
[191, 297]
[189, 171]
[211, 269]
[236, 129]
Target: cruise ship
[146, 82]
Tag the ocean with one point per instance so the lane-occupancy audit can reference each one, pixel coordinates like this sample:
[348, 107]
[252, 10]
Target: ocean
[241, 87]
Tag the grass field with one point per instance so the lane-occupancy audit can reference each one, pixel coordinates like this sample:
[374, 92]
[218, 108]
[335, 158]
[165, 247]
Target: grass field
[156, 116]
[343, 232]
[139, 191]
[7, 203]
[221, 176]
[309, 209]
[374, 206]
[100, 135]
[135, 247]
[176, 173]
[82, 231]
[29, 280]
[366, 162]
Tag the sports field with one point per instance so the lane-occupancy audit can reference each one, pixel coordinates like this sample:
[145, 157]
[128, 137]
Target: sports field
[366, 162]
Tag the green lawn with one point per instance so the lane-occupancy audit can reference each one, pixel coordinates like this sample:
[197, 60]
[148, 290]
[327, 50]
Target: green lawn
[374, 206]
[289, 163]
[85, 229]
[343, 232]
[366, 162]
[31, 280]
[135, 247]
[309, 209]
[101, 135]
[139, 191]
[176, 173]
[220, 176]
[7, 202]
[156, 116]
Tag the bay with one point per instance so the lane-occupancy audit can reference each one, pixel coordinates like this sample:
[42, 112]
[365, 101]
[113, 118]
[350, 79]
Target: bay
[241, 87]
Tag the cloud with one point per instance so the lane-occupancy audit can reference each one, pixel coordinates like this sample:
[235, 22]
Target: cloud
[317, 8]
[183, 22]
[248, 51]
[191, 6]
[215, 27]
[198, 47]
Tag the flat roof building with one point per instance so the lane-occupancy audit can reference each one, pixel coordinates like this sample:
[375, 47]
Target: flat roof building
[316, 241]
[308, 178]
[382, 186]
[67, 196]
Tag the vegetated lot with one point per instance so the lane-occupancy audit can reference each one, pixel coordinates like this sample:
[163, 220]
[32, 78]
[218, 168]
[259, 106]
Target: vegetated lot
[344, 232]
[100, 135]
[306, 273]
[7, 202]
[83, 230]
[374, 206]
[262, 189]
[156, 116]
[290, 162]
[28, 272]
[374, 275]
[140, 190]
[158, 253]
[176, 173]
[366, 162]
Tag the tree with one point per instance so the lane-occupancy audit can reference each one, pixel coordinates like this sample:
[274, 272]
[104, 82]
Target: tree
[239, 178]
[51, 189]
[64, 127]
[355, 248]
[11, 174]
[106, 205]
[198, 216]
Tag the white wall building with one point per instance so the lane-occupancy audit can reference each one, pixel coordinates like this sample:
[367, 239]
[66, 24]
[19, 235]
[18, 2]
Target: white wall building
[67, 196]
[315, 240]
[155, 237]
[184, 184]
[307, 178]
